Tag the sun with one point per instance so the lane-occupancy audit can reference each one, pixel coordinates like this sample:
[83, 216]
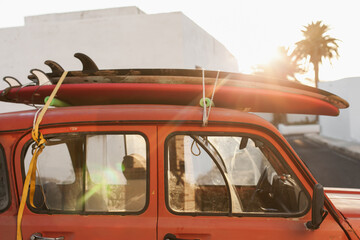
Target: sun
[253, 59]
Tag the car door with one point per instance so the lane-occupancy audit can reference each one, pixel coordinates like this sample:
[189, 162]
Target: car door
[7, 197]
[232, 183]
[93, 182]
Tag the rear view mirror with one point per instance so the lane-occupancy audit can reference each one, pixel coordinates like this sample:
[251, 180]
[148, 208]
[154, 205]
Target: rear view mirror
[318, 213]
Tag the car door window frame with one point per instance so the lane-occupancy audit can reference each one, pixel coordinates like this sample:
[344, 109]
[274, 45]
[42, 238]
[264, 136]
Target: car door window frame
[28, 144]
[5, 174]
[247, 214]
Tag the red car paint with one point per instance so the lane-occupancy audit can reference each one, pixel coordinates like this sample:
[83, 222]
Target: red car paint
[157, 123]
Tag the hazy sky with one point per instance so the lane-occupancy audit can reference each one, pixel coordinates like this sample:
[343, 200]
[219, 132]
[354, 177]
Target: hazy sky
[251, 30]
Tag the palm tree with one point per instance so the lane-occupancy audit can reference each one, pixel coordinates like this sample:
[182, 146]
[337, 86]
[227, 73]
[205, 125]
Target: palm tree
[283, 66]
[316, 45]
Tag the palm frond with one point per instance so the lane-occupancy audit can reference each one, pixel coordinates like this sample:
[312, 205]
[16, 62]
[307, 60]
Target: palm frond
[316, 45]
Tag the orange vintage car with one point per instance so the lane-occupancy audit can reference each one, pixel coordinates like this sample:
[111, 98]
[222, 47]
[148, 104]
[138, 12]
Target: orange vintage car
[162, 154]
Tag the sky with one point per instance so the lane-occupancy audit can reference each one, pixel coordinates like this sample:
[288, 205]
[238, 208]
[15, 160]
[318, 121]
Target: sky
[251, 30]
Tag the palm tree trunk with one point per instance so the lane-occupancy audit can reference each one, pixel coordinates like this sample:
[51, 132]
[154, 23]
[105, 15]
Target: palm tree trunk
[316, 70]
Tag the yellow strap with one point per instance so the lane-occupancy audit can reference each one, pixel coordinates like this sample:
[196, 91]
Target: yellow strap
[25, 192]
[31, 174]
[42, 113]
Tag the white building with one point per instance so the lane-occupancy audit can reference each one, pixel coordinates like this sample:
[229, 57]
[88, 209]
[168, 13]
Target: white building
[113, 38]
[346, 125]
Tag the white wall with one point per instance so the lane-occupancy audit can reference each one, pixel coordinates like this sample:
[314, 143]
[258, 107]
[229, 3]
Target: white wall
[267, 116]
[113, 38]
[300, 118]
[205, 50]
[346, 125]
[73, 16]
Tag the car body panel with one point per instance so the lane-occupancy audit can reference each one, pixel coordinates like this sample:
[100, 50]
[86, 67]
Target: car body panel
[156, 122]
[235, 227]
[93, 226]
[347, 201]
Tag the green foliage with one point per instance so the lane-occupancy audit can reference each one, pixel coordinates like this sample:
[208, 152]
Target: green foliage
[316, 46]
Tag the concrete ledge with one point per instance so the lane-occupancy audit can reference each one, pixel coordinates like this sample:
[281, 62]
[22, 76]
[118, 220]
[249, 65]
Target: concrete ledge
[298, 129]
[81, 15]
[351, 149]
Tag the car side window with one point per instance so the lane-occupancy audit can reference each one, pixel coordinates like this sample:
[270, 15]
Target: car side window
[4, 184]
[103, 173]
[229, 174]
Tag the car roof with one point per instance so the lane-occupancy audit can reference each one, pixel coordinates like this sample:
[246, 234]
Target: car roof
[135, 113]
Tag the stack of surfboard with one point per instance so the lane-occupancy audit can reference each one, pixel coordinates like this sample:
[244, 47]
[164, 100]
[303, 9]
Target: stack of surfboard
[92, 86]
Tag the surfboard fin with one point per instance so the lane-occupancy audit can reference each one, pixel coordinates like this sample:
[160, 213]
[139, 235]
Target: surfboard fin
[56, 69]
[41, 78]
[13, 82]
[89, 65]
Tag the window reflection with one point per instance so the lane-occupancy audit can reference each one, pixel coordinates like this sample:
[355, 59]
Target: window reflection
[91, 173]
[223, 174]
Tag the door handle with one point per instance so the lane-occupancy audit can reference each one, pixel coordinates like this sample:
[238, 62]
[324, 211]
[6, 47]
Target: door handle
[171, 236]
[38, 236]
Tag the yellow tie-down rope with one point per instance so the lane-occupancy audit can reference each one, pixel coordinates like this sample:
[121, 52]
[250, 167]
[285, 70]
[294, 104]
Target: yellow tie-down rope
[40, 144]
